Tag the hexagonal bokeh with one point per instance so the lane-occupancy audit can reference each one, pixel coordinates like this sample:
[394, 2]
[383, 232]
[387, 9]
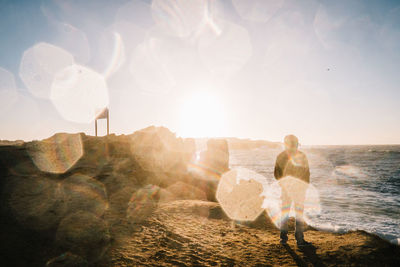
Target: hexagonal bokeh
[56, 154]
[8, 90]
[112, 52]
[257, 10]
[239, 194]
[82, 192]
[300, 194]
[83, 233]
[180, 18]
[225, 48]
[36, 202]
[157, 149]
[149, 68]
[78, 93]
[73, 40]
[142, 203]
[39, 66]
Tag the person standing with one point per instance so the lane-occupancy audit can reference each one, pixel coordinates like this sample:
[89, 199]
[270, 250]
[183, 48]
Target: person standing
[294, 164]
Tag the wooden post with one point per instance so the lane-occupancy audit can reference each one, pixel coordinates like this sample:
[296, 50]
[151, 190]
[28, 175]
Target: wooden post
[102, 114]
[108, 124]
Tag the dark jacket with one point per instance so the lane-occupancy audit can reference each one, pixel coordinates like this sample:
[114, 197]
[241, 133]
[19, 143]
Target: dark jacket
[296, 166]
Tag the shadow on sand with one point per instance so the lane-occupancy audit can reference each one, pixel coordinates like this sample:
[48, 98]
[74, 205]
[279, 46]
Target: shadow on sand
[309, 256]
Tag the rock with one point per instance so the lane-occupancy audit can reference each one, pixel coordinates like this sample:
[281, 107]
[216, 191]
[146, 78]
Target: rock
[95, 158]
[189, 146]
[124, 173]
[84, 234]
[156, 149]
[67, 259]
[248, 144]
[36, 202]
[116, 215]
[181, 190]
[16, 161]
[203, 181]
[56, 154]
[216, 157]
[143, 203]
[82, 192]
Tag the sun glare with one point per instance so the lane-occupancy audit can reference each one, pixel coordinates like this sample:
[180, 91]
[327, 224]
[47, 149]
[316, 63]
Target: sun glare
[201, 115]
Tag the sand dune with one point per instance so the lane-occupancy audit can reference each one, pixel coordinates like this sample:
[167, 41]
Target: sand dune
[77, 200]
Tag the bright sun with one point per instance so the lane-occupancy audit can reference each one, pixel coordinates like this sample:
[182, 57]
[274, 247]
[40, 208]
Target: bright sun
[202, 115]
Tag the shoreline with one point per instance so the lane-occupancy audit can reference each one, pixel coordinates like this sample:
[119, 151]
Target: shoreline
[129, 199]
[394, 240]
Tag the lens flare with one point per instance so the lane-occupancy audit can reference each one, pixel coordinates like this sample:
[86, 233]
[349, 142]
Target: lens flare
[73, 40]
[290, 196]
[81, 192]
[8, 90]
[142, 203]
[228, 51]
[56, 154]
[78, 92]
[83, 233]
[39, 66]
[117, 56]
[202, 114]
[211, 161]
[37, 202]
[257, 10]
[135, 12]
[150, 70]
[203, 171]
[239, 194]
[179, 18]
[332, 19]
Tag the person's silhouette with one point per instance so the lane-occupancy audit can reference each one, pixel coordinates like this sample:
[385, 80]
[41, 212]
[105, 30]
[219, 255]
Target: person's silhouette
[292, 163]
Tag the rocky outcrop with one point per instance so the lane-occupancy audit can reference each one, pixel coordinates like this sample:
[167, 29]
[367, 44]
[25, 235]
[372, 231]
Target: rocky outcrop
[248, 144]
[84, 234]
[138, 200]
[73, 194]
[216, 157]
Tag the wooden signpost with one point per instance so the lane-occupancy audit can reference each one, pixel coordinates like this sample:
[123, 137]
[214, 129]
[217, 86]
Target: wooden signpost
[102, 114]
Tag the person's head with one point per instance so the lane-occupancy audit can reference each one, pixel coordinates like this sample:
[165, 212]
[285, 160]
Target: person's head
[291, 143]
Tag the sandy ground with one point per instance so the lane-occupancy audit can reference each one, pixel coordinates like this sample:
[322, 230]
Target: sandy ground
[76, 200]
[184, 233]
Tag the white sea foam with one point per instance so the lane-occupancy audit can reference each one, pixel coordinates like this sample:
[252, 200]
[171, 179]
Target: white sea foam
[358, 186]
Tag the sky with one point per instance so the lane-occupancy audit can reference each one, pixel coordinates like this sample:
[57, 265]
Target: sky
[326, 71]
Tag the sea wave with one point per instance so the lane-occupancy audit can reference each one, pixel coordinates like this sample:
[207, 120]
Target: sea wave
[359, 186]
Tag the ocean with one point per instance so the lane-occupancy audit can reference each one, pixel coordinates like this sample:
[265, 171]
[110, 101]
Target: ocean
[358, 186]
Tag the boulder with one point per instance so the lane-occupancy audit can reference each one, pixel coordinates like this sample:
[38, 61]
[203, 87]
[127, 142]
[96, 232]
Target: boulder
[156, 149]
[216, 157]
[56, 154]
[67, 259]
[143, 203]
[82, 192]
[36, 202]
[84, 234]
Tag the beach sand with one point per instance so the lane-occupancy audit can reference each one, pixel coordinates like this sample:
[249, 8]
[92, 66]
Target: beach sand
[190, 232]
